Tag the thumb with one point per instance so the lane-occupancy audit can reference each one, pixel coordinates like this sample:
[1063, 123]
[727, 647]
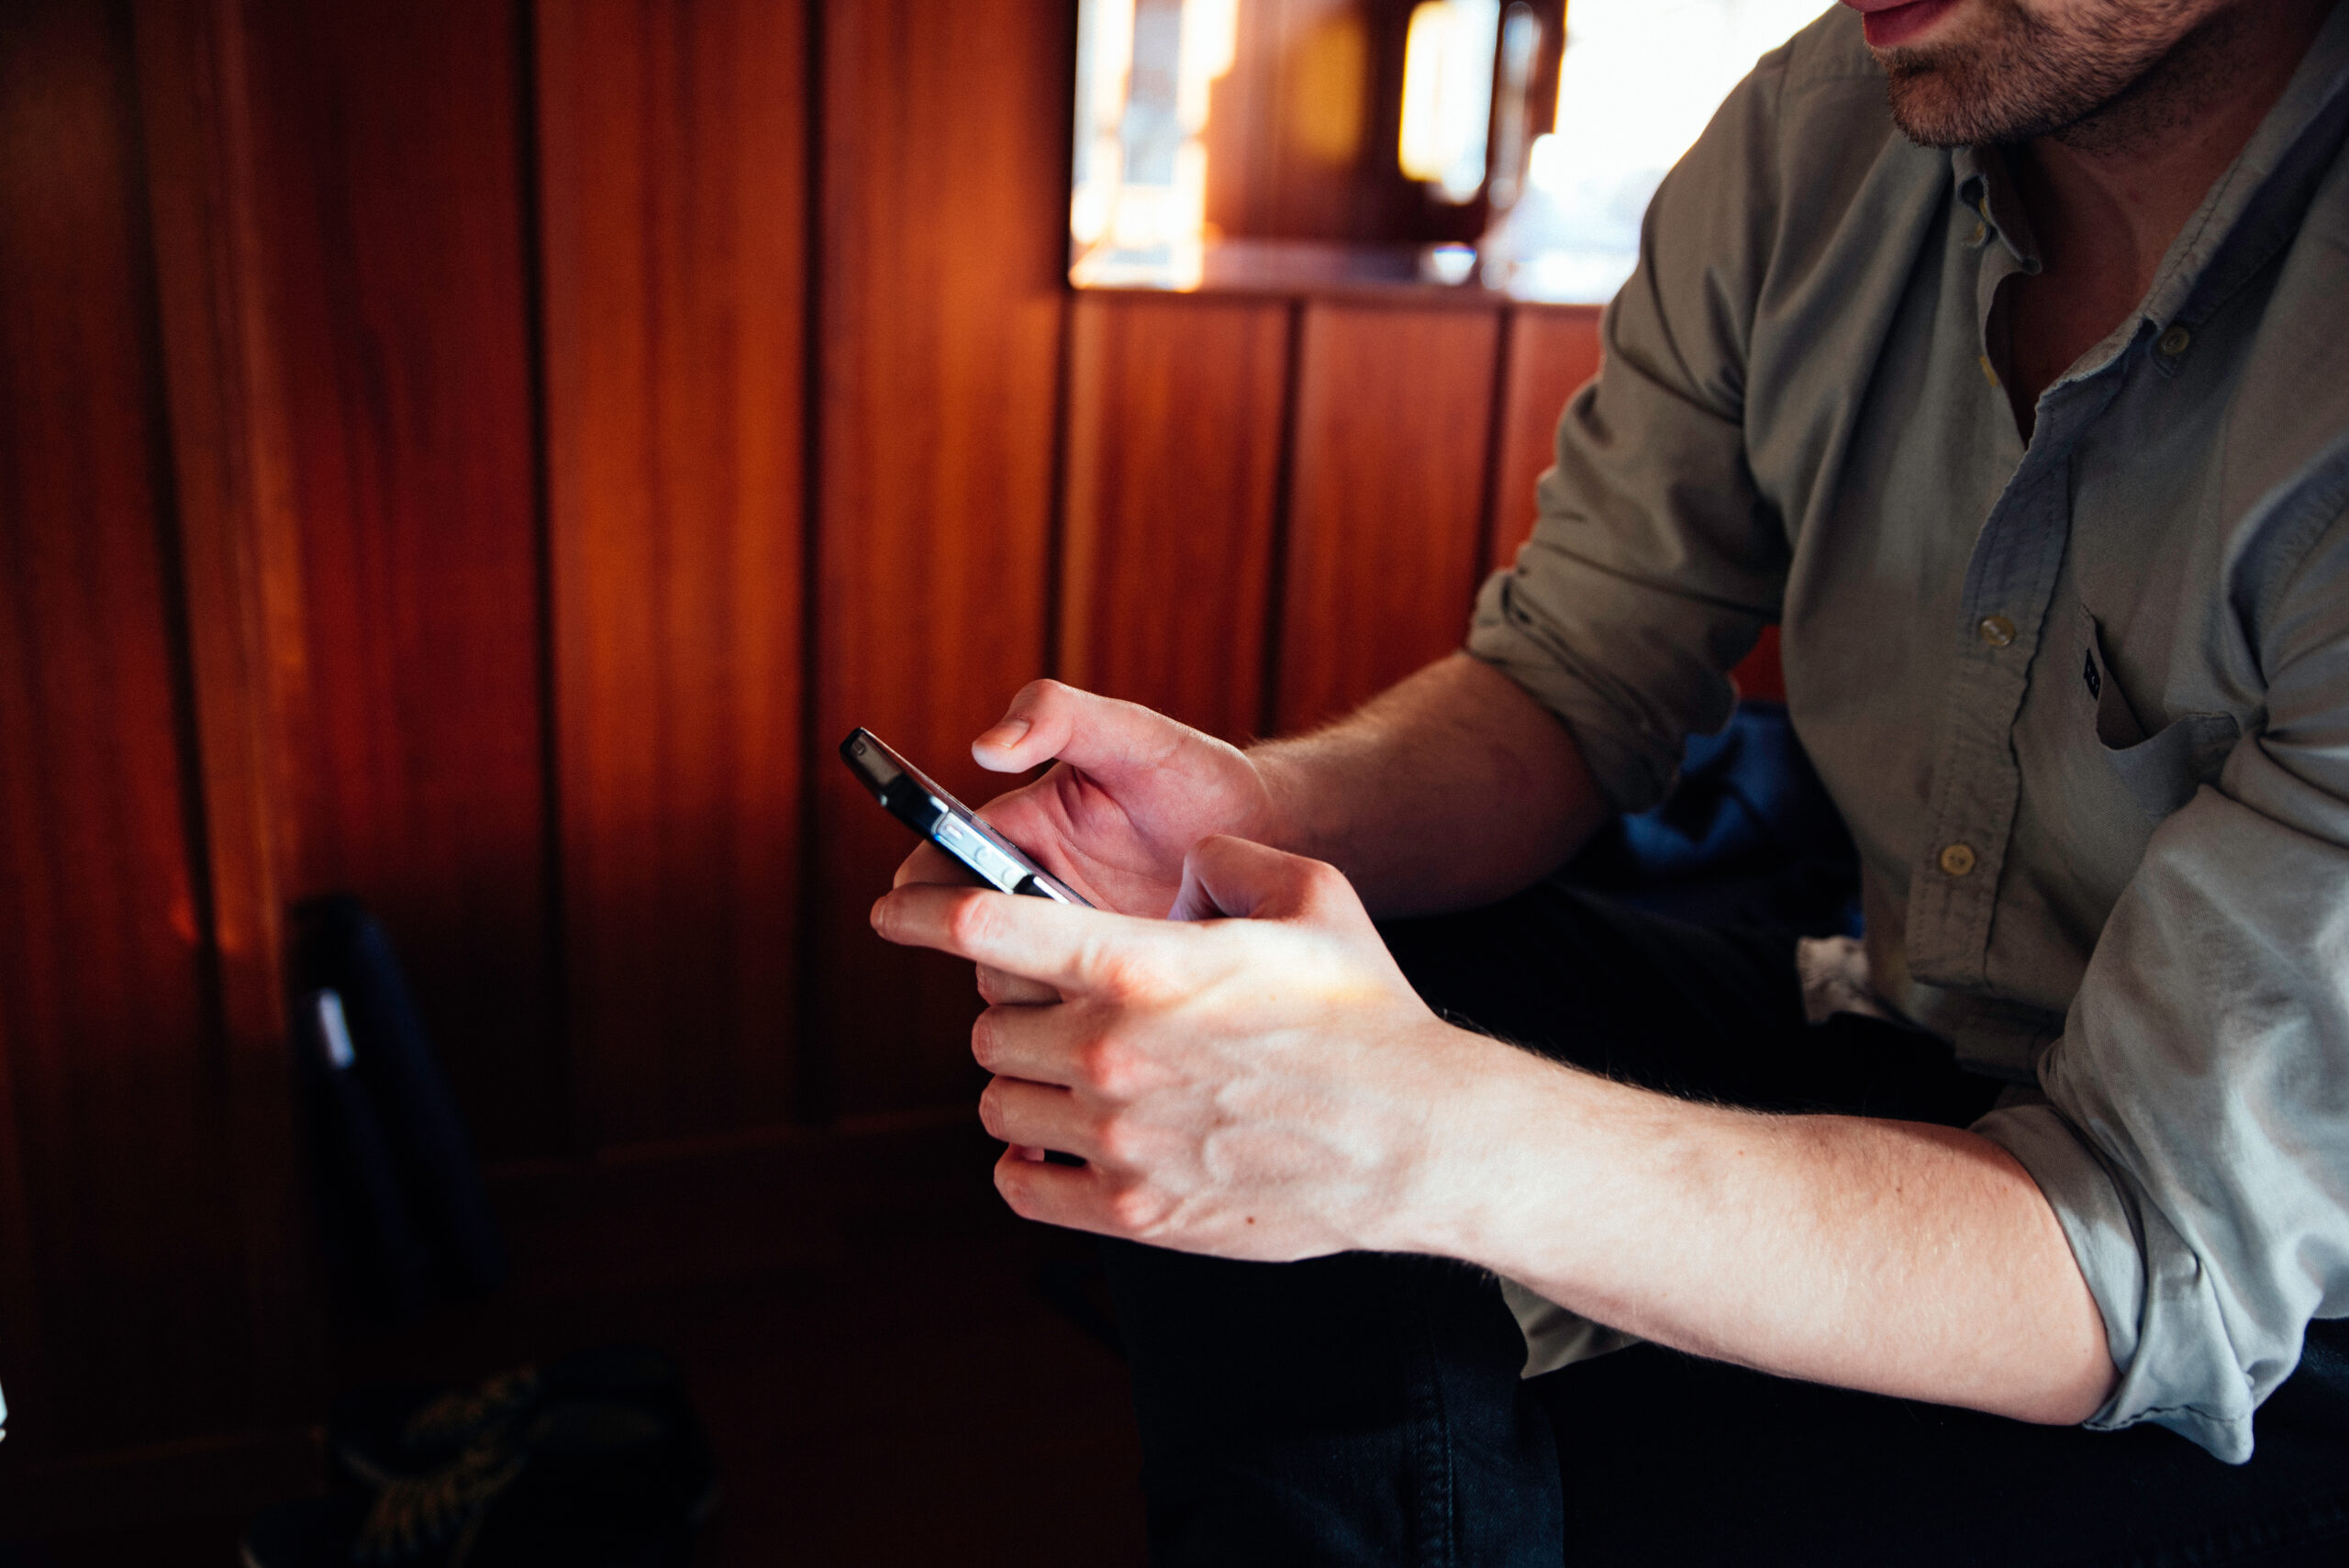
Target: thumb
[1101, 736]
[1224, 876]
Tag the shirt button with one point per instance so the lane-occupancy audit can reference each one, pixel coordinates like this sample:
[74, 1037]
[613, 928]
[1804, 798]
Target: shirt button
[1997, 630]
[2173, 341]
[1958, 859]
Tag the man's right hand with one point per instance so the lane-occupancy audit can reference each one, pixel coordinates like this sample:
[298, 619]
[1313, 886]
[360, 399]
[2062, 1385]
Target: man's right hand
[1132, 793]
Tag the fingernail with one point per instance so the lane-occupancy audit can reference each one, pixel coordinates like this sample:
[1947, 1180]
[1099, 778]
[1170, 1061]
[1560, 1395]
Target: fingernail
[1006, 735]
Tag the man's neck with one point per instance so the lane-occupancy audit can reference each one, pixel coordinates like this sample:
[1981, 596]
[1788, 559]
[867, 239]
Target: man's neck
[2121, 184]
[2109, 194]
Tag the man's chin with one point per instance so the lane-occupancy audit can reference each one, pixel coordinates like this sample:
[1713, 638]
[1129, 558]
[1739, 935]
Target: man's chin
[1935, 107]
[1963, 75]
[1999, 71]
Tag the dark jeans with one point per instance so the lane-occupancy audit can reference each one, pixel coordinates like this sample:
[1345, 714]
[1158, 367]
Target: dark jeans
[1367, 1409]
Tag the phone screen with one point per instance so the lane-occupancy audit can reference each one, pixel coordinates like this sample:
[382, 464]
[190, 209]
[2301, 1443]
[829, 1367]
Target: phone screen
[910, 796]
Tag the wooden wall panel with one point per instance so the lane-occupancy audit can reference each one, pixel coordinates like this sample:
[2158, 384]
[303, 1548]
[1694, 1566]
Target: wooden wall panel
[115, 1095]
[388, 137]
[1385, 510]
[239, 556]
[1553, 350]
[673, 147]
[1175, 425]
[422, 508]
[945, 192]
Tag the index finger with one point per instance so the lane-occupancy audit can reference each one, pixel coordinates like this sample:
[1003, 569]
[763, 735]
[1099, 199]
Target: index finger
[1075, 951]
[1105, 736]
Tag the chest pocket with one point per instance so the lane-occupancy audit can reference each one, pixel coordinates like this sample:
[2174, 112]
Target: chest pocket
[2160, 771]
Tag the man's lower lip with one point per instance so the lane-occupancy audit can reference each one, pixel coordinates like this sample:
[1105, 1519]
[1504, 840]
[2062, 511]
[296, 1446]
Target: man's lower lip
[1897, 25]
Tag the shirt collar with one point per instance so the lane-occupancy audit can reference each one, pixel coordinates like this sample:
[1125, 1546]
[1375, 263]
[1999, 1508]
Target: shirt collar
[1985, 185]
[2263, 194]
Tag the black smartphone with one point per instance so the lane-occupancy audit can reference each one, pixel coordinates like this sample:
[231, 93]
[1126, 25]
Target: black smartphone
[910, 796]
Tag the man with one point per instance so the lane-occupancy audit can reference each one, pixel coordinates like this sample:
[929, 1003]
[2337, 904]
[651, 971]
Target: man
[2022, 407]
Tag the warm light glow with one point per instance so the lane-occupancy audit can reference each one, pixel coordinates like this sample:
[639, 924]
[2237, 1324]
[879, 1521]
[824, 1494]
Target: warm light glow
[1094, 202]
[1104, 68]
[1419, 147]
[1448, 94]
[1210, 45]
[1328, 81]
[1641, 78]
[1190, 207]
[1146, 75]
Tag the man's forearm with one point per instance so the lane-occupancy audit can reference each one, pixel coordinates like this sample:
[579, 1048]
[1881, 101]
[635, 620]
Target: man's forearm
[1450, 789]
[1895, 1257]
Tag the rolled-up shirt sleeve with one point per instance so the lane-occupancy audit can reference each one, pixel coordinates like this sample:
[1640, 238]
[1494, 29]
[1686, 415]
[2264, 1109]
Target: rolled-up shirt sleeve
[2196, 1142]
[1653, 564]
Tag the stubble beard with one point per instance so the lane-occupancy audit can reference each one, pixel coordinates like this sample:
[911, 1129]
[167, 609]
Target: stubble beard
[2122, 71]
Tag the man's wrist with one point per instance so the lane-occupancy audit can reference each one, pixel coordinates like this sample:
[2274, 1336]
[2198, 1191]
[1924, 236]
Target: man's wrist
[1288, 818]
[1483, 1100]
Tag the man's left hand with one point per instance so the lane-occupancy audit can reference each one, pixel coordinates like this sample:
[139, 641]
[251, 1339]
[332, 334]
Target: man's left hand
[1254, 1079]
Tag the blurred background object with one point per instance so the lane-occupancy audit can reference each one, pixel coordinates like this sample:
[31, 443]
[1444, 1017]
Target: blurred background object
[402, 1218]
[1246, 144]
[479, 458]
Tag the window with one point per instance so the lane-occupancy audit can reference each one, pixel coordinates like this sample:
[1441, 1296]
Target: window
[1638, 83]
[1464, 142]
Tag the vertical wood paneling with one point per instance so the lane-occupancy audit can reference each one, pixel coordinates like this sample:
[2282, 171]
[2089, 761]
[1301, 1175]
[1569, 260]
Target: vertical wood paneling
[945, 191]
[1385, 507]
[240, 558]
[276, 605]
[1553, 350]
[115, 1093]
[390, 195]
[673, 147]
[1173, 455]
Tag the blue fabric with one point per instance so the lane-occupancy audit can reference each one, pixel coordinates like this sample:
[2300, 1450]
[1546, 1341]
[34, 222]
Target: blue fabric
[1749, 836]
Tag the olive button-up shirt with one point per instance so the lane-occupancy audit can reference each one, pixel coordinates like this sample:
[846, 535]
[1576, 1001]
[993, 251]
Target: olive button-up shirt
[2084, 701]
